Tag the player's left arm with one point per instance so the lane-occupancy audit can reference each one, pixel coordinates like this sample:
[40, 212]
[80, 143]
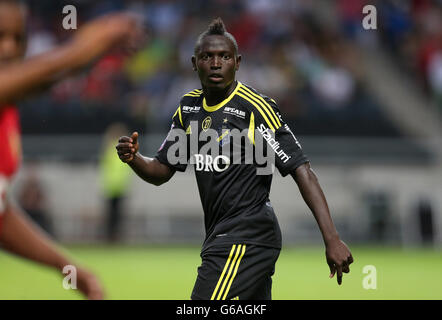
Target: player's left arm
[337, 253]
[292, 160]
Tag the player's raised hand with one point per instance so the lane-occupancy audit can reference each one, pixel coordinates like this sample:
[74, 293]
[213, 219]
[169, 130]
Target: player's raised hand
[127, 147]
[123, 30]
[89, 285]
[339, 258]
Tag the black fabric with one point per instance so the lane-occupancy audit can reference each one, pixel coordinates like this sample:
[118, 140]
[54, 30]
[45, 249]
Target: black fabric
[251, 281]
[235, 198]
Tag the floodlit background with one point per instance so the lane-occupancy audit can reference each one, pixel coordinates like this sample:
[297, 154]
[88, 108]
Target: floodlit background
[366, 106]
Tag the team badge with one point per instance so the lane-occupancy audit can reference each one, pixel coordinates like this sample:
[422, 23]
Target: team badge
[207, 122]
[224, 133]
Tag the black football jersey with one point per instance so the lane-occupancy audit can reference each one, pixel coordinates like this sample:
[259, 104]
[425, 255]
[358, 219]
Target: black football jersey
[234, 192]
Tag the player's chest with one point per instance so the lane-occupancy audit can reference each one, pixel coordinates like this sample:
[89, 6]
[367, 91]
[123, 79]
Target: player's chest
[196, 120]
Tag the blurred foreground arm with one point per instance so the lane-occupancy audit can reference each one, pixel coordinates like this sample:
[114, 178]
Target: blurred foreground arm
[337, 253]
[148, 169]
[22, 237]
[90, 42]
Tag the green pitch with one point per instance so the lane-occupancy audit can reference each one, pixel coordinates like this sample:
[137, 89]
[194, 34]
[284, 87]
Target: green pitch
[157, 273]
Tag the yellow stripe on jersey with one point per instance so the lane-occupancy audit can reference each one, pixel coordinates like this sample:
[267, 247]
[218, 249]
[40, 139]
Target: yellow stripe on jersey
[238, 250]
[179, 114]
[266, 106]
[254, 98]
[224, 271]
[251, 133]
[194, 93]
[257, 107]
[234, 273]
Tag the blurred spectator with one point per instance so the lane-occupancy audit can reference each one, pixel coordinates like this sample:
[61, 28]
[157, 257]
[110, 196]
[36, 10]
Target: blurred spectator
[412, 31]
[310, 68]
[32, 198]
[114, 179]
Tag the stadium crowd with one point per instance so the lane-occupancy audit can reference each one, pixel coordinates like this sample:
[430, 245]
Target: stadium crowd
[312, 70]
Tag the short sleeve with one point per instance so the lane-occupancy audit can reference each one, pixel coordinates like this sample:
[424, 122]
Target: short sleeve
[173, 152]
[279, 137]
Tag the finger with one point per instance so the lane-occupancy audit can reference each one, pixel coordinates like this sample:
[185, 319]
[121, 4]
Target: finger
[124, 145]
[135, 137]
[332, 270]
[350, 259]
[123, 151]
[346, 268]
[339, 272]
[96, 293]
[126, 156]
[124, 139]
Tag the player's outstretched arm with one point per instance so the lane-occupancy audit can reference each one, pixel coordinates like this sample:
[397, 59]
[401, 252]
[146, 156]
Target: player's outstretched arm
[22, 237]
[89, 42]
[148, 169]
[338, 255]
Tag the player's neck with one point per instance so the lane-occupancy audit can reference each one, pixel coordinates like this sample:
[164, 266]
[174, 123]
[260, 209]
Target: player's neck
[216, 96]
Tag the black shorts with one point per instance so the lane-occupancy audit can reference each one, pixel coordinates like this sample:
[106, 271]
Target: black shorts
[236, 272]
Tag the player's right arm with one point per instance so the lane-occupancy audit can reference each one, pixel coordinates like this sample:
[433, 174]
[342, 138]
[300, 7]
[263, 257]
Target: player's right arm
[149, 169]
[90, 42]
[20, 236]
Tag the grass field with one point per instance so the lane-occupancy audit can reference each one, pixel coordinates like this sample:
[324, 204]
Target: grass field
[157, 273]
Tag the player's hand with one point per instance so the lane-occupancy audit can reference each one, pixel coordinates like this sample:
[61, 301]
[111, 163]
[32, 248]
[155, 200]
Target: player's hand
[127, 147]
[102, 34]
[339, 258]
[89, 285]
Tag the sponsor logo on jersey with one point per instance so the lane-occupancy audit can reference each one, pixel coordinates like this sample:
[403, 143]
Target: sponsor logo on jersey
[188, 109]
[235, 112]
[205, 162]
[273, 143]
[207, 122]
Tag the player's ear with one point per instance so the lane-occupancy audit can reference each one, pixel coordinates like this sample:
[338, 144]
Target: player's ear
[194, 63]
[238, 62]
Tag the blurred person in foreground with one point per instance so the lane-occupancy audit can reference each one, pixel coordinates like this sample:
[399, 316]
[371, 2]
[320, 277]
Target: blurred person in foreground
[114, 180]
[19, 78]
[243, 237]
[33, 199]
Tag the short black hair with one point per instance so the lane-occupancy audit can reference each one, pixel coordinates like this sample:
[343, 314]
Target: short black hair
[216, 27]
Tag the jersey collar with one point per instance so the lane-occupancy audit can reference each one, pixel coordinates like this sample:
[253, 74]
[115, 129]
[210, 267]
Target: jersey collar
[222, 103]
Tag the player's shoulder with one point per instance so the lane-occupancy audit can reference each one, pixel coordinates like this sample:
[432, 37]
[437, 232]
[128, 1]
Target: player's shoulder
[191, 96]
[189, 104]
[252, 98]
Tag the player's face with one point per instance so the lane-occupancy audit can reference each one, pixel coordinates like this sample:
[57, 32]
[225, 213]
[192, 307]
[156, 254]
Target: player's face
[12, 33]
[216, 62]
